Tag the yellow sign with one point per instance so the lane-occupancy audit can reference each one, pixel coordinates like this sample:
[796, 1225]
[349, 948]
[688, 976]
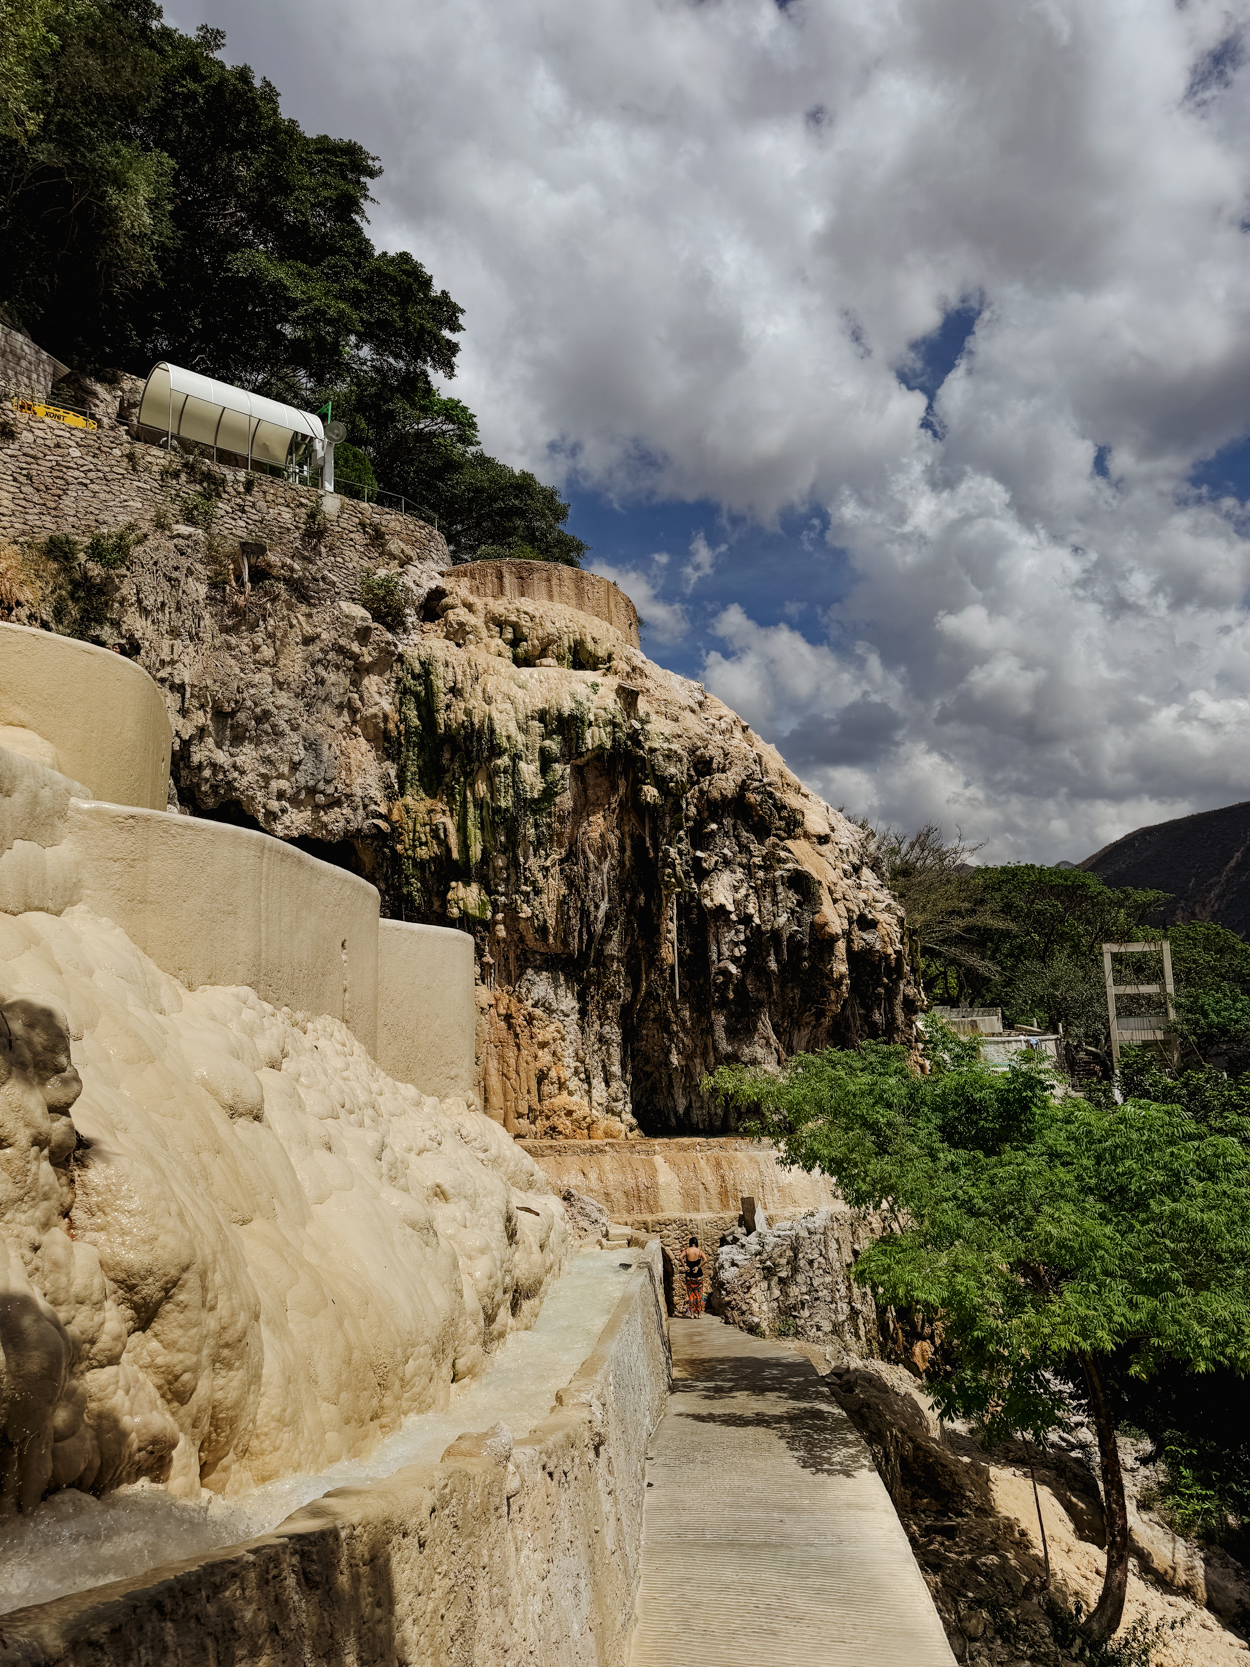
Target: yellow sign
[71, 419]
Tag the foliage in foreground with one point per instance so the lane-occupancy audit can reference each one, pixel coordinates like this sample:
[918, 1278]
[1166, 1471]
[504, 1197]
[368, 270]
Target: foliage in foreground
[1057, 1240]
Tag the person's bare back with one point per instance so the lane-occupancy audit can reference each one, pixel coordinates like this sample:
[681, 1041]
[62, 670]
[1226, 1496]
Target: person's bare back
[692, 1263]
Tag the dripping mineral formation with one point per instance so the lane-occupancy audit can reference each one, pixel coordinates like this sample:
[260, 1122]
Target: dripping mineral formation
[651, 891]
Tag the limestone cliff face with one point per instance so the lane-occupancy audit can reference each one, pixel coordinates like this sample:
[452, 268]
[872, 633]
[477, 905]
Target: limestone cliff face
[652, 892]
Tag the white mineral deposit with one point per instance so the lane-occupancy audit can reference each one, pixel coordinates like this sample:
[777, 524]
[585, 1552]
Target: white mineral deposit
[75, 1540]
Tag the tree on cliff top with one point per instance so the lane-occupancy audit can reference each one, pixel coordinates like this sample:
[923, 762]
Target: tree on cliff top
[1052, 1237]
[156, 203]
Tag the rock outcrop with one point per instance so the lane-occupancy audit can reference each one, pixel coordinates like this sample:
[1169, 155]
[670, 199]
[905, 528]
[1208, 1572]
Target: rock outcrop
[652, 891]
[796, 1279]
[230, 1247]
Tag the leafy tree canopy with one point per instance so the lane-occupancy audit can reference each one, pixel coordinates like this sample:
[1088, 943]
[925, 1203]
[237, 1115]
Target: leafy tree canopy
[1053, 1238]
[156, 203]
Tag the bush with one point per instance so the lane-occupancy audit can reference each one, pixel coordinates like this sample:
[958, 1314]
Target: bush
[62, 549]
[387, 598]
[110, 550]
[316, 522]
[200, 511]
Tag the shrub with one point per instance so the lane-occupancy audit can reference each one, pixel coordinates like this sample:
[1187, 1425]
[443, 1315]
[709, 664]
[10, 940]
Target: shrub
[111, 550]
[200, 510]
[316, 522]
[15, 587]
[387, 598]
[61, 548]
[353, 468]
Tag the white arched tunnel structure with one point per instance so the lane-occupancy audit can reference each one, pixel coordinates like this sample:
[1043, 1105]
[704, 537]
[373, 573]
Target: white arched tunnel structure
[188, 406]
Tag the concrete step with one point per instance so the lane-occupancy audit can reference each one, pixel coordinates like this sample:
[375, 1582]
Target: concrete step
[768, 1535]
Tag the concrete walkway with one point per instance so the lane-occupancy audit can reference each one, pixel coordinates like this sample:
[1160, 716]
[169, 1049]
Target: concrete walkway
[768, 1536]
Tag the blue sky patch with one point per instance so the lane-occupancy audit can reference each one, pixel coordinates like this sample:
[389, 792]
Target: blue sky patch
[1227, 474]
[788, 576]
[934, 357]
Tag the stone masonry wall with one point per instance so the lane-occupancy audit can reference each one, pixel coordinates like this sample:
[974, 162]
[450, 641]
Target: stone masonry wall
[795, 1279]
[25, 368]
[55, 479]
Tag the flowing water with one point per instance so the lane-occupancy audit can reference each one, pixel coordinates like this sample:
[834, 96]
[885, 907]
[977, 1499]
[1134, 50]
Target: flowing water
[73, 1541]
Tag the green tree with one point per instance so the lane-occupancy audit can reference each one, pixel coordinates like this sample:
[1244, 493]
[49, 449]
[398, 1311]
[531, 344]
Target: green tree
[155, 203]
[1050, 954]
[490, 509]
[1052, 1237]
[352, 468]
[84, 199]
[27, 39]
[950, 921]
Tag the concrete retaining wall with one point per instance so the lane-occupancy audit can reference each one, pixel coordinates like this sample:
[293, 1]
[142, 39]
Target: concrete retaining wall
[210, 903]
[427, 1015]
[103, 717]
[522, 1556]
[214, 904]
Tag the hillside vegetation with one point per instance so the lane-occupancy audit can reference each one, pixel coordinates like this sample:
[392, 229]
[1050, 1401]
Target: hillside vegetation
[155, 203]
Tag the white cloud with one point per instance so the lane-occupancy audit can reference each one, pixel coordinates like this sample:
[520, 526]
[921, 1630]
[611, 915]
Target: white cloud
[694, 241]
[667, 622]
[703, 559]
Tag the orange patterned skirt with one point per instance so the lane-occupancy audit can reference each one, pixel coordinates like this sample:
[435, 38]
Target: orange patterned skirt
[694, 1295]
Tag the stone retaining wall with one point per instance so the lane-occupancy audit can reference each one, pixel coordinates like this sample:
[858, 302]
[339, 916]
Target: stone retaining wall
[525, 1553]
[674, 1234]
[55, 479]
[794, 1279]
[24, 367]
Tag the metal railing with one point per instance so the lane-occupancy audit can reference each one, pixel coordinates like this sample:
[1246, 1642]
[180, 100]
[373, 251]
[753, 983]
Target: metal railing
[31, 403]
[374, 495]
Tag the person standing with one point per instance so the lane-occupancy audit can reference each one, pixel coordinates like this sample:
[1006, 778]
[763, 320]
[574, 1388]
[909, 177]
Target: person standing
[692, 1263]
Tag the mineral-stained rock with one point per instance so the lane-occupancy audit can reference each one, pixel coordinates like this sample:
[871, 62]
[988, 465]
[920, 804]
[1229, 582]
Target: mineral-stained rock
[646, 880]
[651, 891]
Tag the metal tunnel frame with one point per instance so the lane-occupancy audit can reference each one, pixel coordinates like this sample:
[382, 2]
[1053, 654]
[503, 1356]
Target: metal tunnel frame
[189, 406]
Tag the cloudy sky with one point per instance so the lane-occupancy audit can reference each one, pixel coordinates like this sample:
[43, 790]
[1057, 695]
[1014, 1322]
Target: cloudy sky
[895, 355]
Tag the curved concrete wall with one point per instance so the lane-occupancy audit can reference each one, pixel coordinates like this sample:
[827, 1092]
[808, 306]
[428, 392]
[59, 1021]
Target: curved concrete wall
[210, 903]
[103, 716]
[483, 1558]
[427, 1015]
[214, 904]
[550, 581]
